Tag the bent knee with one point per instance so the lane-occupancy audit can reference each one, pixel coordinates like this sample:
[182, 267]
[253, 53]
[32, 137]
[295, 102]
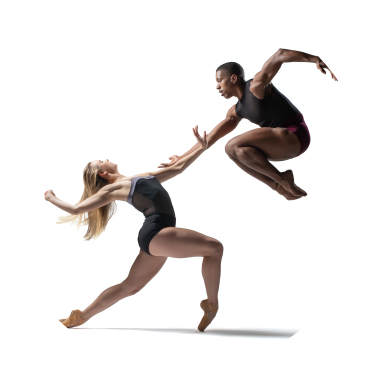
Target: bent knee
[134, 291]
[230, 148]
[246, 152]
[233, 150]
[128, 289]
[215, 248]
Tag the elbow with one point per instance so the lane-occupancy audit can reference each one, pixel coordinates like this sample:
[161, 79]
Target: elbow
[281, 55]
[75, 211]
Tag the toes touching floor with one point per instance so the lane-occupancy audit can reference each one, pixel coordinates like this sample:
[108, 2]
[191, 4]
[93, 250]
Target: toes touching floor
[282, 135]
[210, 311]
[73, 320]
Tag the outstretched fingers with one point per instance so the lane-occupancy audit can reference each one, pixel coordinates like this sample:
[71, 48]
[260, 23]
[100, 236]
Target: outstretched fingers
[332, 75]
[321, 65]
[202, 141]
[173, 159]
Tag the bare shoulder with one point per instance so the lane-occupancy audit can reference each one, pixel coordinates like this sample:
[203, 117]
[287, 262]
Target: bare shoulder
[144, 174]
[161, 174]
[258, 85]
[231, 114]
[118, 190]
[261, 83]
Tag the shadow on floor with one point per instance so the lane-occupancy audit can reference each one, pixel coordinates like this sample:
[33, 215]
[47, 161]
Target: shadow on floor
[222, 332]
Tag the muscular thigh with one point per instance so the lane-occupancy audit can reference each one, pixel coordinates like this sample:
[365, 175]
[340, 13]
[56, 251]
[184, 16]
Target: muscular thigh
[180, 243]
[144, 269]
[277, 144]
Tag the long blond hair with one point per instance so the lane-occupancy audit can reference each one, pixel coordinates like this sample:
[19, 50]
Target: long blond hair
[97, 219]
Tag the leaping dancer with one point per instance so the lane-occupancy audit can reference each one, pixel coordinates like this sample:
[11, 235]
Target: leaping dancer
[283, 133]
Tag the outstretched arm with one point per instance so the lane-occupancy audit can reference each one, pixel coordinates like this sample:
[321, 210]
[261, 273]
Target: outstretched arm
[183, 163]
[272, 66]
[104, 196]
[222, 129]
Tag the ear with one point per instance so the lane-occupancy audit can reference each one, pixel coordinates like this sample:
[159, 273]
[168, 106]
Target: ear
[103, 174]
[234, 79]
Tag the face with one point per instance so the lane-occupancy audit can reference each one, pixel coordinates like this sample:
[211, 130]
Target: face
[225, 84]
[105, 166]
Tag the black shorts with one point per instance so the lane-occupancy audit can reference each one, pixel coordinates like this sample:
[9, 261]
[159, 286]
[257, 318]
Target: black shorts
[151, 227]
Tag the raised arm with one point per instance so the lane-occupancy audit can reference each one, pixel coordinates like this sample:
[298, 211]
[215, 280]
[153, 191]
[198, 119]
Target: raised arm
[183, 163]
[107, 194]
[272, 66]
[222, 129]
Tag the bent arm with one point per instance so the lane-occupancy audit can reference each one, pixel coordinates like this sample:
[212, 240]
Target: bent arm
[273, 65]
[223, 128]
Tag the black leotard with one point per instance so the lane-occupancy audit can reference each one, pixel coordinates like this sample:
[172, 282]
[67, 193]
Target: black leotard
[149, 197]
[272, 111]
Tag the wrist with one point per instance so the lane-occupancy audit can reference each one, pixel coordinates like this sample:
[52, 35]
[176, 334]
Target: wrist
[313, 58]
[50, 198]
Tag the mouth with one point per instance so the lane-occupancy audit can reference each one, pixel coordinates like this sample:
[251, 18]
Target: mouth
[221, 92]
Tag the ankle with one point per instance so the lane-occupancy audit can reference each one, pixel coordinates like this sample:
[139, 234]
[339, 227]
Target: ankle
[84, 317]
[273, 185]
[278, 178]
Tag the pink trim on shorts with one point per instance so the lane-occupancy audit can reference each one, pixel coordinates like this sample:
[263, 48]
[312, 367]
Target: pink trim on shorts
[298, 126]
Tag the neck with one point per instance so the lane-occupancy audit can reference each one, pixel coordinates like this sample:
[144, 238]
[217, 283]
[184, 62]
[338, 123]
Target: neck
[239, 89]
[114, 177]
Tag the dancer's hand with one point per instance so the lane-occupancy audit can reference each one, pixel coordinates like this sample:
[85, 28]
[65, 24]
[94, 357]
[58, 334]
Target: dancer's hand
[174, 159]
[202, 141]
[321, 65]
[49, 194]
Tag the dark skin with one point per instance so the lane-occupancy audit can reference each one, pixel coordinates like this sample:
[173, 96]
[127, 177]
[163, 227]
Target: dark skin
[253, 150]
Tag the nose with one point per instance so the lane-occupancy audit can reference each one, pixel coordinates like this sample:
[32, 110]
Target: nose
[218, 86]
[107, 160]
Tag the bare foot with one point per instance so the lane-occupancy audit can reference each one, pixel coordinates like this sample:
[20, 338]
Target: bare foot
[75, 319]
[288, 184]
[286, 193]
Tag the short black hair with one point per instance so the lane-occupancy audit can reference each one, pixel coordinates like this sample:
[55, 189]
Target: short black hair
[232, 68]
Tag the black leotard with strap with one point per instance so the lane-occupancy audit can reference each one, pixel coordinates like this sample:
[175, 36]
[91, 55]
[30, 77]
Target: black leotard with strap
[272, 111]
[149, 197]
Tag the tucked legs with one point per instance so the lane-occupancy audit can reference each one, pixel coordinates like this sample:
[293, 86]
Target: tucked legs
[252, 150]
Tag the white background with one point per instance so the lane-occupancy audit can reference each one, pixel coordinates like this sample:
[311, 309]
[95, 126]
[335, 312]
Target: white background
[85, 80]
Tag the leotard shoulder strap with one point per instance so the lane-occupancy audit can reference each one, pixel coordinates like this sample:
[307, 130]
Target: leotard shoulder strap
[134, 180]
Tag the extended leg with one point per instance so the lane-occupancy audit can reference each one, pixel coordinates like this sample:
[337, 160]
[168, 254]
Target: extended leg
[142, 271]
